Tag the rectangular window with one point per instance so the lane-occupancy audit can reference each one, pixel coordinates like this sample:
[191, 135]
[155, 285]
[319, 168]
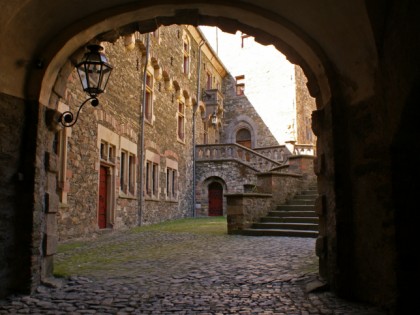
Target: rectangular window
[171, 183]
[128, 173]
[240, 85]
[122, 172]
[131, 174]
[107, 152]
[208, 82]
[148, 165]
[174, 184]
[149, 98]
[186, 64]
[152, 179]
[111, 153]
[102, 152]
[181, 121]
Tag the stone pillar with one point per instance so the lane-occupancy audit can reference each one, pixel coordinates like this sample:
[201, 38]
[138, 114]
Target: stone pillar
[246, 208]
[50, 237]
[304, 165]
[282, 186]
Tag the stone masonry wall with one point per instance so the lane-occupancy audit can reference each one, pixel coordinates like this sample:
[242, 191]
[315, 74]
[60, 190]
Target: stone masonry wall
[232, 173]
[239, 112]
[120, 113]
[245, 209]
[78, 217]
[305, 105]
[283, 187]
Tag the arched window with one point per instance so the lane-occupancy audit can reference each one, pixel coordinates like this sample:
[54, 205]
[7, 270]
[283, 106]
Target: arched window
[243, 137]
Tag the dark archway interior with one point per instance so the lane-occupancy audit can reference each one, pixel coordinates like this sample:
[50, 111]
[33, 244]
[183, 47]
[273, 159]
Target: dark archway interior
[405, 197]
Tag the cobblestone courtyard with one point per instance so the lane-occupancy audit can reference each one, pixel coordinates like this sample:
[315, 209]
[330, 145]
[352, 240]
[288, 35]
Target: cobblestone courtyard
[152, 271]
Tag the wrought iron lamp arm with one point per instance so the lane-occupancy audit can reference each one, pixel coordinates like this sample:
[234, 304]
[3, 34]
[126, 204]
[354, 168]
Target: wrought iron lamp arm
[67, 118]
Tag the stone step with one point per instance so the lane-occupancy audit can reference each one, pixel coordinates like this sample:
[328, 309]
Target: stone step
[278, 232]
[301, 202]
[291, 219]
[286, 226]
[309, 192]
[295, 207]
[297, 218]
[305, 197]
[282, 214]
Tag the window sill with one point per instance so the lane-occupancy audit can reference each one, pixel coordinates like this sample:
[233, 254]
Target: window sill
[124, 196]
[107, 162]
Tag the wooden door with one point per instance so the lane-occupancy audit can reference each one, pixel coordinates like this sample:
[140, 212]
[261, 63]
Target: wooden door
[243, 137]
[215, 199]
[245, 143]
[103, 197]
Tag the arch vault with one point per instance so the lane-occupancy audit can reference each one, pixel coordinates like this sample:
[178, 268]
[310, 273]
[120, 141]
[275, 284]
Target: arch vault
[360, 58]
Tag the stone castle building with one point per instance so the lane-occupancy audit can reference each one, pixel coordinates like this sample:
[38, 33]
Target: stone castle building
[101, 156]
[361, 61]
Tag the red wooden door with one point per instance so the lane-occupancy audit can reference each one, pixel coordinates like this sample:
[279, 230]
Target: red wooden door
[245, 143]
[215, 199]
[102, 198]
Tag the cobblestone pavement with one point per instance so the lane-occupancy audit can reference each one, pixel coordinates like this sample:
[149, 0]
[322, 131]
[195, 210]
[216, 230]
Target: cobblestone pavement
[182, 273]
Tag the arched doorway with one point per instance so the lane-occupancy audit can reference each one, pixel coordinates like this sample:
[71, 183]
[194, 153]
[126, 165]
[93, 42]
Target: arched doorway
[215, 194]
[243, 137]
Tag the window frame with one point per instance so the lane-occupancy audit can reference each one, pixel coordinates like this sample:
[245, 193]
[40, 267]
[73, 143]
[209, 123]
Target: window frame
[180, 132]
[128, 172]
[186, 59]
[240, 85]
[171, 183]
[148, 115]
[151, 185]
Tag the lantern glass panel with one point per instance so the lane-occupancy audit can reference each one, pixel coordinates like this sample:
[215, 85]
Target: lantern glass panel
[82, 75]
[106, 71]
[94, 71]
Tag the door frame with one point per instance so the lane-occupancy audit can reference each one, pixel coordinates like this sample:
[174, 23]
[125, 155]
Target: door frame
[109, 195]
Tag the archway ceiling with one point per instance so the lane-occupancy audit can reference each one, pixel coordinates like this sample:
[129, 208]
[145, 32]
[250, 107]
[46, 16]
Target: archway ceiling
[339, 30]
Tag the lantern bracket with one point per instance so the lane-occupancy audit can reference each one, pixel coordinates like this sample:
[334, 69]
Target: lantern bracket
[67, 118]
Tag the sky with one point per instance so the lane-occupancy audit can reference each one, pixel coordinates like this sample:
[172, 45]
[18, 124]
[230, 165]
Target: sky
[269, 78]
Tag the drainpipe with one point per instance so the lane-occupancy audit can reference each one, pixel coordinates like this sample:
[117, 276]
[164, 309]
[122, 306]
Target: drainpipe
[142, 118]
[194, 112]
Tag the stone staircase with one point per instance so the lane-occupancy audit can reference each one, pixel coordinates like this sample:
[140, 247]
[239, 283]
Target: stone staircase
[297, 218]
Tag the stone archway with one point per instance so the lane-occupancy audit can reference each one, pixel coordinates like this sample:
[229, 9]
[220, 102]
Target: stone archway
[109, 36]
[298, 48]
[360, 57]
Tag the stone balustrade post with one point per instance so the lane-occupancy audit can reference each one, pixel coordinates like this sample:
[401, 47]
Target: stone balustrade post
[304, 165]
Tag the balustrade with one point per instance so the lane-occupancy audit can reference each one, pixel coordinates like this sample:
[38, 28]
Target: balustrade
[236, 152]
[304, 149]
[277, 153]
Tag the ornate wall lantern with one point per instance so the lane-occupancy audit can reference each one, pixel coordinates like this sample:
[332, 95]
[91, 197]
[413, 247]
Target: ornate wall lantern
[94, 71]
